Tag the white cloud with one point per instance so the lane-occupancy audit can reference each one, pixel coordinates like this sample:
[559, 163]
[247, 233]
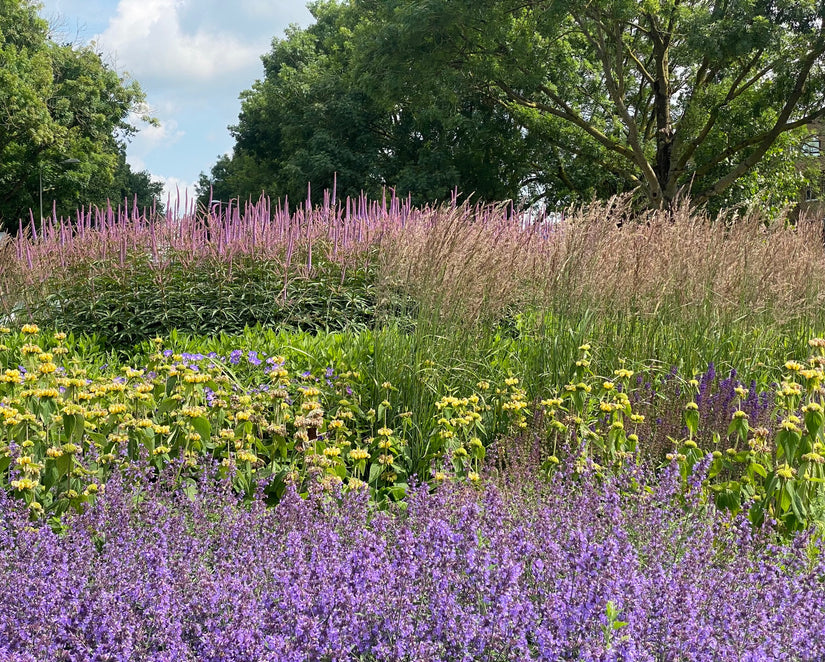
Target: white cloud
[149, 40]
[165, 133]
[192, 58]
[177, 192]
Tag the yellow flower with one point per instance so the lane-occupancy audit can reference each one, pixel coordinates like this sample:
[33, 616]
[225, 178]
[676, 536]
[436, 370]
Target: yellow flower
[247, 456]
[332, 451]
[789, 425]
[23, 484]
[785, 471]
[385, 432]
[358, 454]
[30, 329]
[473, 476]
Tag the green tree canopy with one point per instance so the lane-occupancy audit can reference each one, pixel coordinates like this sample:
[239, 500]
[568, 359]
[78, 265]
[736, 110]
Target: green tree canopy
[60, 103]
[564, 100]
[652, 95]
[317, 115]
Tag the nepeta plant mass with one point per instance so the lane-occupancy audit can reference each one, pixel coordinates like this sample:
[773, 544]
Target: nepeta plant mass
[566, 570]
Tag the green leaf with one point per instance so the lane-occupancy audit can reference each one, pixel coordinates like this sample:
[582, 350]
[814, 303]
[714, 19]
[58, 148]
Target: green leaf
[375, 471]
[202, 427]
[73, 426]
[757, 468]
[63, 463]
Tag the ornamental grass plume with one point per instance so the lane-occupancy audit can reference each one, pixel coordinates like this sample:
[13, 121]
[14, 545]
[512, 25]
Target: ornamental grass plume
[532, 570]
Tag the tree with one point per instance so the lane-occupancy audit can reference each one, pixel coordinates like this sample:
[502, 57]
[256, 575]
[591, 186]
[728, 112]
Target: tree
[655, 95]
[318, 116]
[58, 103]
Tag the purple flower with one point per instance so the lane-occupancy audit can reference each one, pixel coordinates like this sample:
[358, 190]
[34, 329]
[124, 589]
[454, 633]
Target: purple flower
[529, 571]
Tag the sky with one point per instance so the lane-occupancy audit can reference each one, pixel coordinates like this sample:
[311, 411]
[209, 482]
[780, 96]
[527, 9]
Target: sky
[192, 59]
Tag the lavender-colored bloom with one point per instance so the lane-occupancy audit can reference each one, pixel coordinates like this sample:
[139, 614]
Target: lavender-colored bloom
[209, 396]
[503, 573]
[235, 356]
[252, 357]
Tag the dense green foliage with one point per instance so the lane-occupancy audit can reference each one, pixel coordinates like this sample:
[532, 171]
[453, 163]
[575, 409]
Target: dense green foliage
[65, 122]
[561, 100]
[318, 116]
[134, 303]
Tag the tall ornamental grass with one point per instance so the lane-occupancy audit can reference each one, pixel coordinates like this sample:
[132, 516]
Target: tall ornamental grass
[528, 571]
[673, 286]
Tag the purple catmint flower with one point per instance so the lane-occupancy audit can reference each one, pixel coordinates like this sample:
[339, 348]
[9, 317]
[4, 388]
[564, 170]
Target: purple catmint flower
[526, 571]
